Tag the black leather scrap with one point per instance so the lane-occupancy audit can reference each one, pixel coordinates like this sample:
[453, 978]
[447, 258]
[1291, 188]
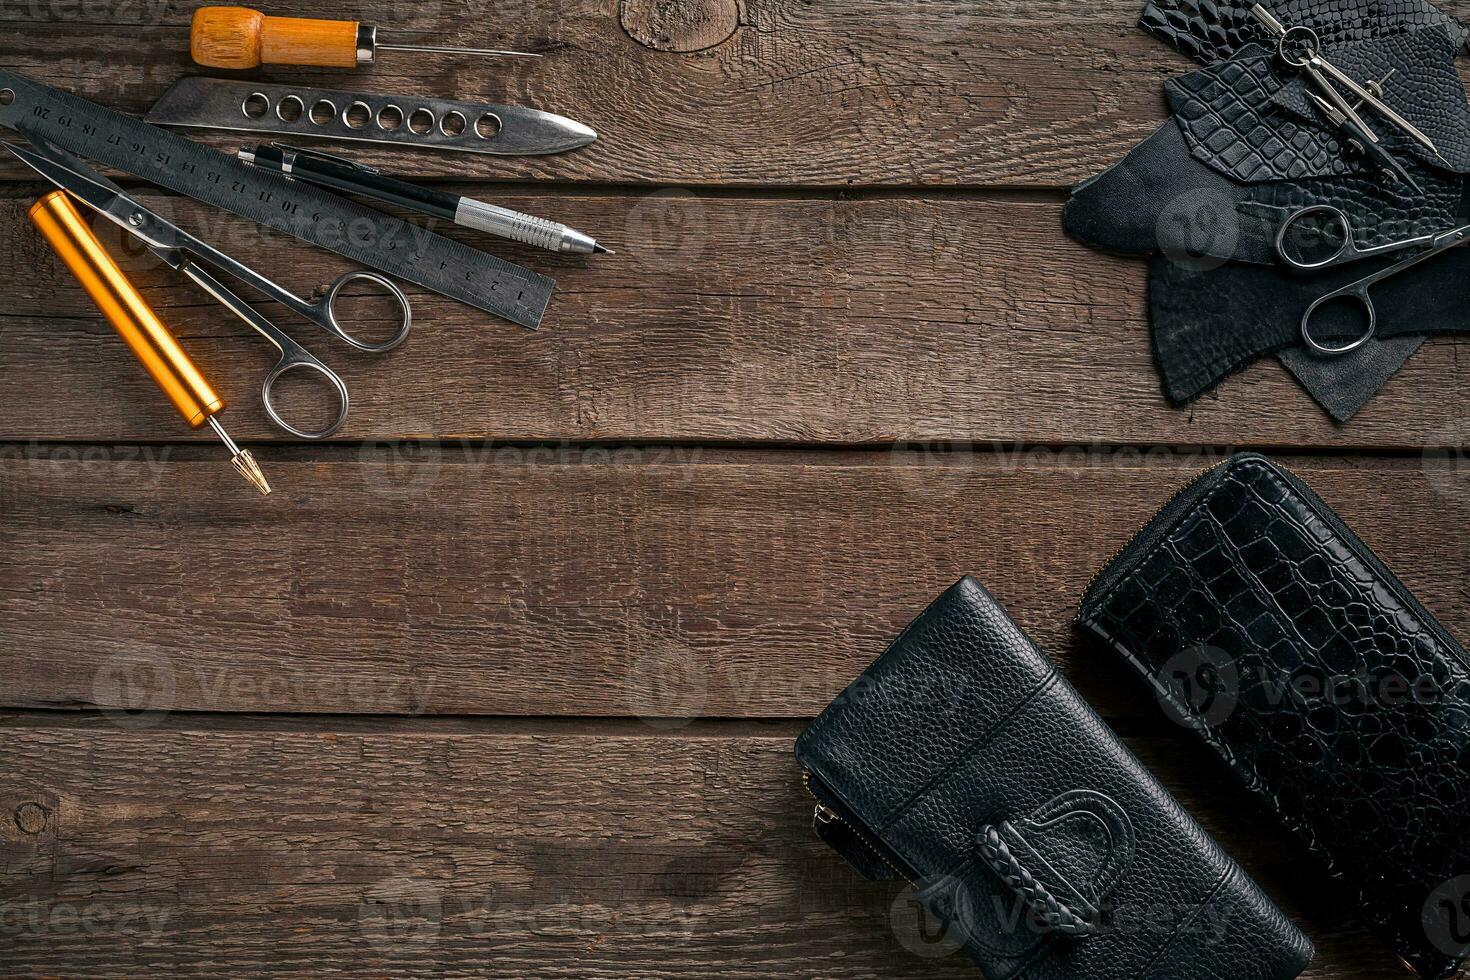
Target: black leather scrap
[1209, 31]
[1252, 118]
[1207, 193]
[1425, 87]
[1208, 324]
[1162, 198]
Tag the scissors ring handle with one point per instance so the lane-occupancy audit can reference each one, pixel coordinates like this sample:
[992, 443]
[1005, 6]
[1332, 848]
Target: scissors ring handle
[1294, 229]
[405, 310]
[1358, 293]
[299, 360]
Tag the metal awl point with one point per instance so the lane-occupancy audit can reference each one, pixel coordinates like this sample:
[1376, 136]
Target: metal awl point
[244, 462]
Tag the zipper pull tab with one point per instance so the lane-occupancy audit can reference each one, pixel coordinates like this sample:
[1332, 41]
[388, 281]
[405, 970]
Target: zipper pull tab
[824, 814]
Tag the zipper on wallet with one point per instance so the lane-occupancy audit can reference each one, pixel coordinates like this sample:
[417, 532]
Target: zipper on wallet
[827, 813]
[1151, 528]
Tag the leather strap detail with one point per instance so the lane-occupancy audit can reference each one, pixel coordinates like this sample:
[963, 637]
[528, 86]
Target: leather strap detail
[1057, 915]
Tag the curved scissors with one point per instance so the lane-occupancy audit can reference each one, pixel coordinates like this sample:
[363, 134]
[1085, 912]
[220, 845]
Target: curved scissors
[1335, 227]
[179, 249]
[1359, 292]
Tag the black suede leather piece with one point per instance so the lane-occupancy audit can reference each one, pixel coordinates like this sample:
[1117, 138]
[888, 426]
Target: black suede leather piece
[1310, 670]
[1161, 198]
[1208, 324]
[1343, 385]
[963, 726]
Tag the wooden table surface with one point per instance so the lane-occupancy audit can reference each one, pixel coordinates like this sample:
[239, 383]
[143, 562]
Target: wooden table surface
[504, 679]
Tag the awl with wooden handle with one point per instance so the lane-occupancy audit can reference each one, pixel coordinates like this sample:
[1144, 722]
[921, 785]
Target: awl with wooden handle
[239, 37]
[128, 312]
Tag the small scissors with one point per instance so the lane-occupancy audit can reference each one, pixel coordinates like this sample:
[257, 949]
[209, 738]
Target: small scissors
[180, 250]
[1335, 230]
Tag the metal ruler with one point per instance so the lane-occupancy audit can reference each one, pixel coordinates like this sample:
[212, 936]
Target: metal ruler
[317, 217]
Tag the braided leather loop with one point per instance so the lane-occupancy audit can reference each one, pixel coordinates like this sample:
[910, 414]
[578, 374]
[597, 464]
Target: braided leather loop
[1051, 910]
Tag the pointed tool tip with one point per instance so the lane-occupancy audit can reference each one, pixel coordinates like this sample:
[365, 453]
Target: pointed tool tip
[247, 466]
[602, 250]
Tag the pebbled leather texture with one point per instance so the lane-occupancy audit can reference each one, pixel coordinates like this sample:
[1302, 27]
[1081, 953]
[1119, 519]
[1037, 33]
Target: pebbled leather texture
[970, 763]
[1318, 679]
[1208, 31]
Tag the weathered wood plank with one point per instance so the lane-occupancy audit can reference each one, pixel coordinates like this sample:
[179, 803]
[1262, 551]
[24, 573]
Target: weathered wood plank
[658, 583]
[198, 853]
[870, 321]
[754, 92]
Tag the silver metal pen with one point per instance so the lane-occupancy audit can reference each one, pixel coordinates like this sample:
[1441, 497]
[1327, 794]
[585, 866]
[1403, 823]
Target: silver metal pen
[345, 176]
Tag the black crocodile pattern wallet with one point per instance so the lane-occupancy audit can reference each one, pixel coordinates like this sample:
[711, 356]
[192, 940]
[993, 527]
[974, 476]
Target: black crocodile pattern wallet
[1263, 622]
[963, 761]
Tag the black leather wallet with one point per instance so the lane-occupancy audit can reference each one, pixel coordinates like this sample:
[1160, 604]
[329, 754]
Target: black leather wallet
[1267, 626]
[963, 761]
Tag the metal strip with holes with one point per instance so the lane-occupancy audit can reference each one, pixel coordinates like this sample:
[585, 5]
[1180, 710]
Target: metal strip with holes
[409, 120]
[379, 241]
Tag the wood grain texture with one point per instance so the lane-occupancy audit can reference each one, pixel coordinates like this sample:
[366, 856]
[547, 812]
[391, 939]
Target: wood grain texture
[637, 855]
[939, 92]
[872, 321]
[838, 226]
[629, 583]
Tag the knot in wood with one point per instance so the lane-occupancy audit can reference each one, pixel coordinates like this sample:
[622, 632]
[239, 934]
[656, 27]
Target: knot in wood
[679, 26]
[30, 818]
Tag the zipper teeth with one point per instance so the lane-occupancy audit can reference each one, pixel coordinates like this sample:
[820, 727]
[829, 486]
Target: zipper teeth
[1188, 485]
[806, 782]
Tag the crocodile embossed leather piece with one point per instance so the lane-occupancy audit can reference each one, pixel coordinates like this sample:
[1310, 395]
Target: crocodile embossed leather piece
[1207, 30]
[1252, 119]
[1232, 122]
[964, 761]
[1261, 620]
[1424, 86]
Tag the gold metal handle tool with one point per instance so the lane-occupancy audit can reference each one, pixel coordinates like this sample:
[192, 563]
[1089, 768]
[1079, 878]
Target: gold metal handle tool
[239, 37]
[120, 303]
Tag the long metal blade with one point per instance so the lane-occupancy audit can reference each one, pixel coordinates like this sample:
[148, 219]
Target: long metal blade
[71, 177]
[438, 49]
[299, 111]
[69, 173]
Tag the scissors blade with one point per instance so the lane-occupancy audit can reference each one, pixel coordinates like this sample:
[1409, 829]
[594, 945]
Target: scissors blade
[71, 163]
[101, 195]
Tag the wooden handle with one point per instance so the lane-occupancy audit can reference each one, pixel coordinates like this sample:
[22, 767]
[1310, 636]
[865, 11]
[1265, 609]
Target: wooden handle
[238, 37]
